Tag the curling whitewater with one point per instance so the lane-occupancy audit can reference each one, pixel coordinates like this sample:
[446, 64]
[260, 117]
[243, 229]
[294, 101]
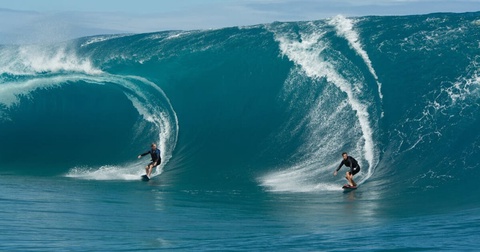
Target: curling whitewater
[64, 81]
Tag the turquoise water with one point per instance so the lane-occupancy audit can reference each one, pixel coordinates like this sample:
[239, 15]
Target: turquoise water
[46, 214]
[251, 122]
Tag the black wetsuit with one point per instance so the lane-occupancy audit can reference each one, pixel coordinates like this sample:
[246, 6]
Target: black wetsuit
[352, 163]
[155, 154]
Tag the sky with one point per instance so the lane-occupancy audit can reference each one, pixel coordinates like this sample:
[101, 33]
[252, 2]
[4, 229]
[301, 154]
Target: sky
[36, 21]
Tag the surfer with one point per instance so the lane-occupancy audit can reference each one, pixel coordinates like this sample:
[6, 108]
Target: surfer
[156, 159]
[354, 168]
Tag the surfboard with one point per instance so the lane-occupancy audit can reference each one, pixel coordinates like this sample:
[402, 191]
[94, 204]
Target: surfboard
[348, 188]
[145, 178]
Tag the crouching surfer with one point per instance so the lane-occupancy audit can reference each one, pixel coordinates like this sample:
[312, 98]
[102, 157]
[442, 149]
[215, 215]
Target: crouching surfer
[156, 159]
[354, 168]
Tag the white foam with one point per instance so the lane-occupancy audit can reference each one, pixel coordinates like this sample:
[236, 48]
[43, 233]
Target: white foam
[344, 28]
[464, 87]
[106, 172]
[300, 178]
[130, 171]
[290, 185]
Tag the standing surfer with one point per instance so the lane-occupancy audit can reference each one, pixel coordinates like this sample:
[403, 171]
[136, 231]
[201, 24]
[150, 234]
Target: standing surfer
[354, 168]
[156, 159]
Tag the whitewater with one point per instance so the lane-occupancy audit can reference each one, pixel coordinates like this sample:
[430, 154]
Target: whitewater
[251, 123]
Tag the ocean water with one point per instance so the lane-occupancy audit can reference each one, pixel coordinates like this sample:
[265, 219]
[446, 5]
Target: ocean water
[251, 122]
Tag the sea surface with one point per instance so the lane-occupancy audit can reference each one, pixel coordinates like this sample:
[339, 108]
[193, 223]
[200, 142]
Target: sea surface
[251, 122]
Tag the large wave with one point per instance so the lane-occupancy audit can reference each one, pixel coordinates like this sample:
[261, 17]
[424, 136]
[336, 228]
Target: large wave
[272, 105]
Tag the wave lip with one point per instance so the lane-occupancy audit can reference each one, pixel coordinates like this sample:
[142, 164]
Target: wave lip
[38, 59]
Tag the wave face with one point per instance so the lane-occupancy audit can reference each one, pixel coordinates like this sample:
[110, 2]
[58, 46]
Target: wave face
[272, 105]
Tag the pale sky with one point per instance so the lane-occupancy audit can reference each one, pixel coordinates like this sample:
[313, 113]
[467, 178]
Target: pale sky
[27, 21]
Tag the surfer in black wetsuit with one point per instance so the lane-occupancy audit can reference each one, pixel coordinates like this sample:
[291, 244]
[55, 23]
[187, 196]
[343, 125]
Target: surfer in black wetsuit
[156, 159]
[354, 168]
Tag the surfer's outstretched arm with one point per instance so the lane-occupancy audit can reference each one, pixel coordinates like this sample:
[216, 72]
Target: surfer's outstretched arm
[336, 171]
[143, 154]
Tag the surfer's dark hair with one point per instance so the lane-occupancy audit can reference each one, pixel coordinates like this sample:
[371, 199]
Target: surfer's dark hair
[344, 153]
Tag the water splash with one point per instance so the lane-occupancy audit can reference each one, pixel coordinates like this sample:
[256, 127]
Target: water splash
[30, 60]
